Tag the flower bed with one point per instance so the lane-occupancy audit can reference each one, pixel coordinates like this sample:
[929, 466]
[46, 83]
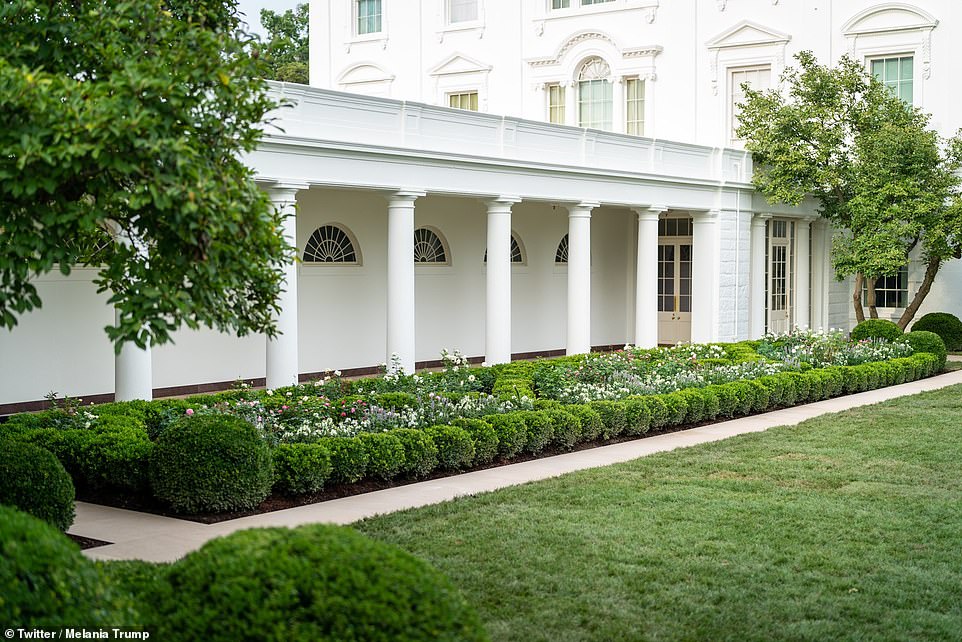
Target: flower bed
[336, 431]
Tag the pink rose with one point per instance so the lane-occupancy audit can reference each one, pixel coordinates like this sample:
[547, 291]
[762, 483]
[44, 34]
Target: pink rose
[190, 412]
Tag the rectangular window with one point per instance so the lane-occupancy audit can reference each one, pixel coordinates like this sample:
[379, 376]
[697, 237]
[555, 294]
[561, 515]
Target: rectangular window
[757, 78]
[587, 2]
[594, 104]
[556, 104]
[890, 291]
[462, 10]
[560, 4]
[464, 100]
[895, 73]
[635, 107]
[368, 16]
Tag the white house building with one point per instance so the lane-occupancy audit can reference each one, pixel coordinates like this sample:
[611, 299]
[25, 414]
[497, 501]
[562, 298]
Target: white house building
[522, 177]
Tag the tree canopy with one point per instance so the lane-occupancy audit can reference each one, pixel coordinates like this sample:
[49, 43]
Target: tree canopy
[127, 118]
[286, 50]
[886, 181]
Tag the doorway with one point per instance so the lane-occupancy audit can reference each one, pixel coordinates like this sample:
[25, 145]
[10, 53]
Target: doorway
[674, 280]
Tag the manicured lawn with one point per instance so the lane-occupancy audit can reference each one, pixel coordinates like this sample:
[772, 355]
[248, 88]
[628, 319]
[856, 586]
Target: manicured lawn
[844, 527]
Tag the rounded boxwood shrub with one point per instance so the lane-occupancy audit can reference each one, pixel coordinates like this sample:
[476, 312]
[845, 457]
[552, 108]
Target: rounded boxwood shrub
[677, 407]
[32, 480]
[946, 325]
[612, 416]
[658, 409]
[876, 329]
[117, 454]
[420, 453]
[211, 463]
[348, 458]
[565, 428]
[317, 582]
[539, 430]
[925, 341]
[637, 415]
[48, 583]
[592, 426]
[385, 454]
[300, 468]
[455, 446]
[511, 431]
[726, 398]
[484, 437]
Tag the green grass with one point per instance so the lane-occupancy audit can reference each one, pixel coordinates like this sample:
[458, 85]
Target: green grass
[846, 527]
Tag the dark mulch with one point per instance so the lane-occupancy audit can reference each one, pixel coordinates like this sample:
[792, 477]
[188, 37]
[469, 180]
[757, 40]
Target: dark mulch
[87, 542]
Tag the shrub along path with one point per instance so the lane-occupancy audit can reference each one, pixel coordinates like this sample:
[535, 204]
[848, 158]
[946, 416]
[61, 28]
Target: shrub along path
[157, 538]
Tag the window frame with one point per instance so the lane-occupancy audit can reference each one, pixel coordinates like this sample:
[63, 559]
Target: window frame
[449, 95]
[348, 234]
[606, 103]
[356, 20]
[870, 60]
[732, 88]
[628, 81]
[460, 24]
[901, 292]
[561, 107]
[445, 249]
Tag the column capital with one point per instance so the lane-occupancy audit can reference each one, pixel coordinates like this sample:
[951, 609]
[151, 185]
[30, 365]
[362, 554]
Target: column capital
[651, 212]
[502, 201]
[761, 216]
[582, 209]
[708, 216]
[405, 195]
[282, 191]
[807, 219]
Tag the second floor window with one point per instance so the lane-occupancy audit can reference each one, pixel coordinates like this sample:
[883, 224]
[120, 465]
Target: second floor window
[556, 104]
[464, 100]
[757, 78]
[635, 107]
[896, 74]
[462, 10]
[594, 95]
[368, 16]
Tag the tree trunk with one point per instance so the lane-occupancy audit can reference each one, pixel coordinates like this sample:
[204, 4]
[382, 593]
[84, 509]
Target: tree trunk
[857, 298]
[870, 297]
[931, 270]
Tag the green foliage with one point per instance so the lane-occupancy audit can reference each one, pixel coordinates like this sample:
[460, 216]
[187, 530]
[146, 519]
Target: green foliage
[946, 325]
[117, 454]
[484, 437]
[592, 425]
[47, 583]
[566, 427]
[612, 415]
[32, 480]
[348, 458]
[511, 431]
[868, 158]
[132, 118]
[539, 429]
[924, 341]
[455, 446]
[385, 454]
[318, 582]
[876, 329]
[396, 400]
[211, 463]
[300, 468]
[676, 406]
[420, 453]
[637, 415]
[286, 50]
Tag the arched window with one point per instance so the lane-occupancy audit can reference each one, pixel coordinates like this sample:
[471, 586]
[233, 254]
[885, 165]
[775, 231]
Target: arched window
[561, 254]
[330, 244]
[428, 247]
[594, 94]
[517, 251]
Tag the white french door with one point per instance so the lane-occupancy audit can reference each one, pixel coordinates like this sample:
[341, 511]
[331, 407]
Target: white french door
[780, 275]
[674, 290]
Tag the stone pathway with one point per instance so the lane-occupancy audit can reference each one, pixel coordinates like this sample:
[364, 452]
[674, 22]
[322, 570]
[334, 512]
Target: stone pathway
[152, 537]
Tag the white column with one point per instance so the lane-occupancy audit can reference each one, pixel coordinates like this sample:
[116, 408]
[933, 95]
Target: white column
[282, 367]
[757, 296]
[704, 276]
[133, 372]
[803, 311]
[497, 327]
[400, 279]
[646, 278]
[133, 366]
[579, 278]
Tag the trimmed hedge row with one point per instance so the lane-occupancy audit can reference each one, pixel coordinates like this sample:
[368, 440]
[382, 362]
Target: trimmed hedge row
[216, 462]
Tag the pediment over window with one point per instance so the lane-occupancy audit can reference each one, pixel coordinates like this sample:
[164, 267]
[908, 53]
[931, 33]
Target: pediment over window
[460, 64]
[891, 16]
[746, 34]
[571, 42]
[364, 73]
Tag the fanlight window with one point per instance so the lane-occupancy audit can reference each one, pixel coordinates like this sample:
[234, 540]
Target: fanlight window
[330, 244]
[561, 255]
[428, 247]
[517, 256]
[594, 69]
[594, 95]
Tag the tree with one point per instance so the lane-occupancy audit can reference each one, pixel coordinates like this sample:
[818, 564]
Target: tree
[880, 175]
[286, 50]
[128, 118]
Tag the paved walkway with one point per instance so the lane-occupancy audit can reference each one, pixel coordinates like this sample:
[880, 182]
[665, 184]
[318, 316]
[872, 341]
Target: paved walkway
[152, 537]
